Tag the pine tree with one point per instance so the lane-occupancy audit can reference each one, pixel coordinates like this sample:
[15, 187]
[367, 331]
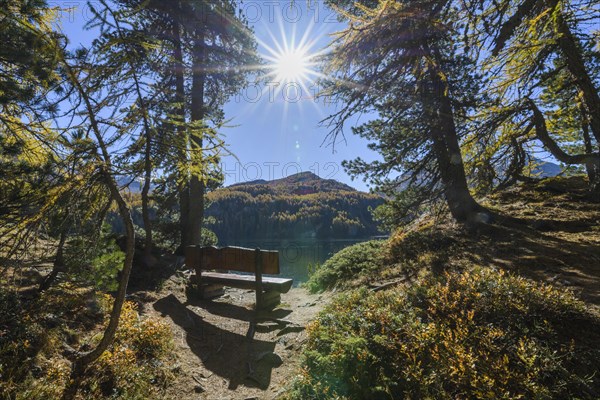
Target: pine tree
[402, 60]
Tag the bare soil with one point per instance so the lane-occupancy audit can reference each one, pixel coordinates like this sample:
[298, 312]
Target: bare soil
[225, 349]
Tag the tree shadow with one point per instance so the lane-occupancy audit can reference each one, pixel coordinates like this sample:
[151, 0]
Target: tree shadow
[542, 255]
[231, 355]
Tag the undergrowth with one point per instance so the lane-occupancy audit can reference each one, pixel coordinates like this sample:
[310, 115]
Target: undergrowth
[403, 254]
[347, 265]
[136, 365]
[476, 334]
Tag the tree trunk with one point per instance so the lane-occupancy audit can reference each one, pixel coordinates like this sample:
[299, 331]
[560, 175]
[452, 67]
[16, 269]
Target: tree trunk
[183, 142]
[104, 162]
[571, 49]
[541, 132]
[590, 159]
[146, 204]
[592, 167]
[59, 262]
[196, 199]
[113, 323]
[84, 359]
[446, 148]
[147, 153]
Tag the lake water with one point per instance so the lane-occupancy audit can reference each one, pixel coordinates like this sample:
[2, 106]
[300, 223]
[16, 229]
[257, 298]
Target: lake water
[297, 256]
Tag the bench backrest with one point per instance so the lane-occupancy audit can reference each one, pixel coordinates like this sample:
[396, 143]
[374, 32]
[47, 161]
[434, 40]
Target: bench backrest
[231, 259]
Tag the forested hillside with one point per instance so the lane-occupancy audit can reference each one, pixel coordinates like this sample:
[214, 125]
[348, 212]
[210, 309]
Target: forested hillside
[299, 206]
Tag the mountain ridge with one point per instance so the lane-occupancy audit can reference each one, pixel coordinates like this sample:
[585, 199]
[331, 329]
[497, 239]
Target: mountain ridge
[305, 180]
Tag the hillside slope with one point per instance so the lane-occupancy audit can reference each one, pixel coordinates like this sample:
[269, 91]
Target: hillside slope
[557, 241]
[433, 312]
[297, 207]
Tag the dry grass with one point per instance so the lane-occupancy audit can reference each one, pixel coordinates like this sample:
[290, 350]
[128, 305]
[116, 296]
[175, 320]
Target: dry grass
[551, 234]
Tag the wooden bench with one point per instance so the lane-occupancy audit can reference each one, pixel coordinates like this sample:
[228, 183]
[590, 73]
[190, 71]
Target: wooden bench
[257, 262]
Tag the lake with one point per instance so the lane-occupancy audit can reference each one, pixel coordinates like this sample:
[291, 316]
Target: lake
[296, 256]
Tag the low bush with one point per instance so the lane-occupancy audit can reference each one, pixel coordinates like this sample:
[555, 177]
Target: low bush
[133, 366]
[478, 334]
[347, 265]
[32, 367]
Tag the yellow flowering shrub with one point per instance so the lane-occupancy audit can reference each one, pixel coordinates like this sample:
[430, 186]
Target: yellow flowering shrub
[477, 334]
[130, 368]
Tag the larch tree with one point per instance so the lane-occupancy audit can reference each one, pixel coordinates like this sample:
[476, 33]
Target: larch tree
[212, 54]
[402, 60]
[543, 65]
[131, 60]
[29, 148]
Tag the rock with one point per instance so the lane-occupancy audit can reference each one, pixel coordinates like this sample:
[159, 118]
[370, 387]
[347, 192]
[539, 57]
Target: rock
[266, 327]
[270, 300]
[199, 389]
[282, 341]
[205, 375]
[211, 291]
[266, 296]
[270, 358]
[176, 368]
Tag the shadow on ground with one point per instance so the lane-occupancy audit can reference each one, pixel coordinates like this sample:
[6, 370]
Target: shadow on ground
[573, 259]
[231, 355]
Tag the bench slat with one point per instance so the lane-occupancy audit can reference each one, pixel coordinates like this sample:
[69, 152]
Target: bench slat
[231, 259]
[281, 285]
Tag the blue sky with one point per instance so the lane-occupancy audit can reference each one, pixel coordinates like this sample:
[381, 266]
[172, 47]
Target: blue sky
[274, 127]
[279, 134]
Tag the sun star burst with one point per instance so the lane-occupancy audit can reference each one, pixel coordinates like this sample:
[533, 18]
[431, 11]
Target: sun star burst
[292, 65]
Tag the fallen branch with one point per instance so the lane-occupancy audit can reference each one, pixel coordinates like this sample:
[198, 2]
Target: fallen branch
[388, 285]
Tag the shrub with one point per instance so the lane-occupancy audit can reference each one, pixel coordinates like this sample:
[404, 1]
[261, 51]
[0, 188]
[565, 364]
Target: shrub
[32, 366]
[347, 265]
[31, 331]
[131, 367]
[478, 334]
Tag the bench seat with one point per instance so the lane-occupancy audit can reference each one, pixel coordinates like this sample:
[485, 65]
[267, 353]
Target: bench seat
[223, 261]
[269, 284]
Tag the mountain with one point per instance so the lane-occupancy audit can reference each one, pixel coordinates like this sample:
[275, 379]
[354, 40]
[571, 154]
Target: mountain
[546, 169]
[302, 183]
[299, 206]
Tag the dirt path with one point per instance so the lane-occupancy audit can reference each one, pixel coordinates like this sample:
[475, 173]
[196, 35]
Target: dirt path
[216, 360]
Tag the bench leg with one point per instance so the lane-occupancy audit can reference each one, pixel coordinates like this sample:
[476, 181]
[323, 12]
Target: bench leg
[270, 300]
[258, 278]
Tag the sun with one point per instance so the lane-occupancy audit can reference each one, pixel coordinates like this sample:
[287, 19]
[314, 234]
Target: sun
[292, 65]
